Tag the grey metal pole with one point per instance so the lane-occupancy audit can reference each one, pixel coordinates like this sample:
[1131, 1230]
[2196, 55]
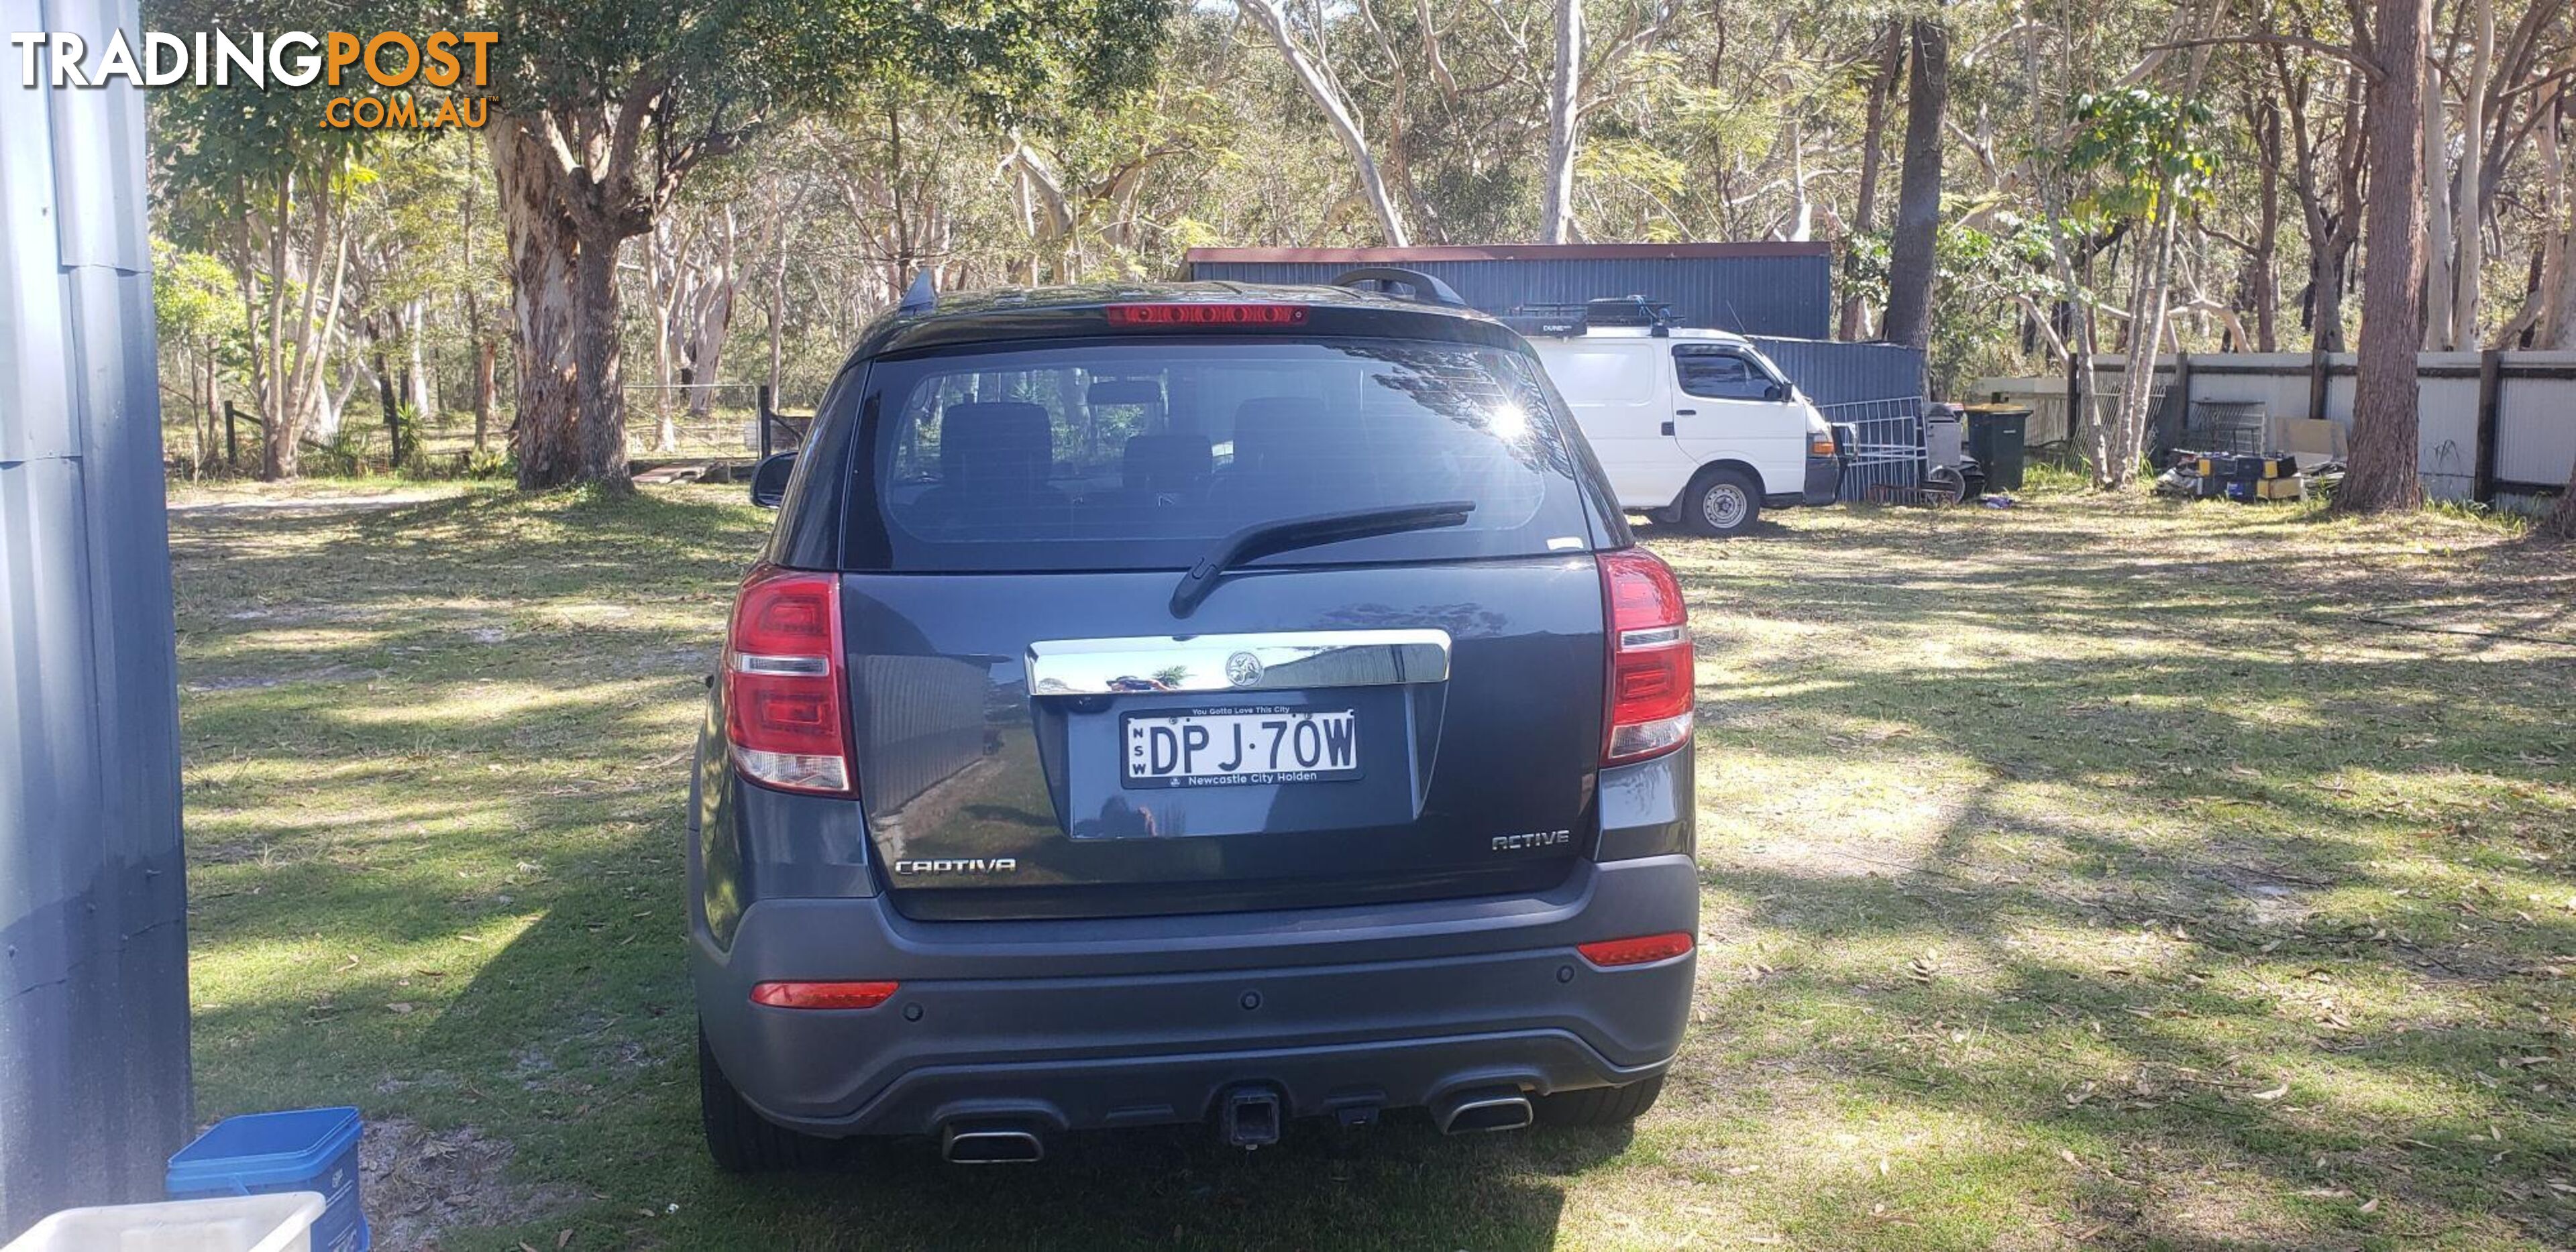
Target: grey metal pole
[94, 1086]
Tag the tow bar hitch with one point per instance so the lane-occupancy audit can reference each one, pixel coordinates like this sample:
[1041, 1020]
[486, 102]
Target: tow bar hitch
[1248, 1117]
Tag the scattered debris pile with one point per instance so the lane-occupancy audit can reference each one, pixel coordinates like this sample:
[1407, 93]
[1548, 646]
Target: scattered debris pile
[2243, 477]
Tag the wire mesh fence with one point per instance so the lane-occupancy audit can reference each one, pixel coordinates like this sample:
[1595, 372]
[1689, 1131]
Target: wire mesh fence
[1881, 443]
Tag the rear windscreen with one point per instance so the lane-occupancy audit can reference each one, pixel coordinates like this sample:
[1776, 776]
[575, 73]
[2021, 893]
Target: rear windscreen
[1091, 455]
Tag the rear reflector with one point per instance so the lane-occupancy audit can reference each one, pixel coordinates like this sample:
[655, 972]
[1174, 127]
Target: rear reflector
[1175, 315]
[1647, 705]
[782, 682]
[1642, 950]
[823, 995]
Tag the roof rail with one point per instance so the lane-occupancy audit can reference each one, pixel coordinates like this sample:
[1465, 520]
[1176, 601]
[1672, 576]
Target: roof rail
[1425, 287]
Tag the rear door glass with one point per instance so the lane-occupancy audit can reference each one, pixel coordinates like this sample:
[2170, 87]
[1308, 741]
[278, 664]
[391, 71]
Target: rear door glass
[1091, 455]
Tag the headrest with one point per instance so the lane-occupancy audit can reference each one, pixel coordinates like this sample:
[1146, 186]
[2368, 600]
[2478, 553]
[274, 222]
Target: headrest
[995, 438]
[1164, 462]
[1268, 427]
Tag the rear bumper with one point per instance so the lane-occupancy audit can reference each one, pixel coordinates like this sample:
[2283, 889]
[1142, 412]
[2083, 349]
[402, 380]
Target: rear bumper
[1072, 1025]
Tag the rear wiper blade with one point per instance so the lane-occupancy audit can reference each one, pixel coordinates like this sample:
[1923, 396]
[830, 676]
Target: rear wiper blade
[1264, 538]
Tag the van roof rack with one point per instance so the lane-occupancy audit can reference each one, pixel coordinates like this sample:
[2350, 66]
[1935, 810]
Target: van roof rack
[1565, 321]
[1424, 286]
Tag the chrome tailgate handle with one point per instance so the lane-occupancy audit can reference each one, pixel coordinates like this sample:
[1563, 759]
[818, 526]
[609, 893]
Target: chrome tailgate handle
[1268, 661]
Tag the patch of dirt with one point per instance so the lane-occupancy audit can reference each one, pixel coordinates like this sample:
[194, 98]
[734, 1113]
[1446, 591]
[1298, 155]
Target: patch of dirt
[420, 1183]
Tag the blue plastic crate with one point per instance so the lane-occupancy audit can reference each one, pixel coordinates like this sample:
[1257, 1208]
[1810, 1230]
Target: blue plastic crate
[303, 1150]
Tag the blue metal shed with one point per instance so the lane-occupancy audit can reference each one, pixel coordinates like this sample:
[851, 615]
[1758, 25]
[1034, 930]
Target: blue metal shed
[1783, 289]
[93, 898]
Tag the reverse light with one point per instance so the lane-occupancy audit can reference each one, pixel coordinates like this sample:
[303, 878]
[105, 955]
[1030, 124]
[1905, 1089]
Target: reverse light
[1641, 950]
[1208, 315]
[783, 682]
[1647, 703]
[823, 995]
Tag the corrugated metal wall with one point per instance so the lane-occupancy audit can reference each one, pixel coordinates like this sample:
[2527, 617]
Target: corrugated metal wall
[1846, 373]
[1750, 289]
[93, 902]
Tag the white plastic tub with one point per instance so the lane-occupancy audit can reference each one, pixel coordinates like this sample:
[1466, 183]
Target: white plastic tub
[278, 1222]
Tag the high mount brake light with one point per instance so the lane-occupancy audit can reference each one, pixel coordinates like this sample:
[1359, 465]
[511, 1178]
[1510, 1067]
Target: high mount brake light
[1218, 315]
[1647, 704]
[1642, 950]
[783, 682]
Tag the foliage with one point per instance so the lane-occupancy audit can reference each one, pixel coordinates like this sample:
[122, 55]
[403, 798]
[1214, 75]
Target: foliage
[2147, 152]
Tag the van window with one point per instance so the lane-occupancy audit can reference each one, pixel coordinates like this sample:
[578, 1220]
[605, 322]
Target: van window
[1092, 455]
[1720, 373]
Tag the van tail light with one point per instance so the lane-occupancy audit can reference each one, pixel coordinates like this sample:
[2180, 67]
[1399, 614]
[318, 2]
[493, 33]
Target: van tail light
[1648, 700]
[823, 995]
[1642, 950]
[783, 678]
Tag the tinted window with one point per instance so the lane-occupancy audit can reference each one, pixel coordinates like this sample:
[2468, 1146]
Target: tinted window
[1090, 455]
[1721, 374]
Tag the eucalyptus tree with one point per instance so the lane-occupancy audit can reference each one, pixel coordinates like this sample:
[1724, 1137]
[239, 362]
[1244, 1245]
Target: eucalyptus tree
[602, 113]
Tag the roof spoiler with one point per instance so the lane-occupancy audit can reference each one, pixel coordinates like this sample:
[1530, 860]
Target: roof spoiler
[1424, 286]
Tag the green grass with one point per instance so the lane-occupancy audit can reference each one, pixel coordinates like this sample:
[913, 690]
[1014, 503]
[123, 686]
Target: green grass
[2088, 873]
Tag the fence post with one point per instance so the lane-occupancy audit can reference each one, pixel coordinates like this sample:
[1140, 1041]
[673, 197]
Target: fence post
[2490, 392]
[232, 441]
[764, 421]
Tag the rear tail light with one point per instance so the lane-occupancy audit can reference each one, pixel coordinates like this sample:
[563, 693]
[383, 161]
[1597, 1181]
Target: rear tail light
[1642, 950]
[782, 682]
[1217, 315]
[823, 995]
[1648, 701]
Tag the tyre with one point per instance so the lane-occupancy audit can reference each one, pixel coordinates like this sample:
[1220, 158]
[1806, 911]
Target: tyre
[1721, 502]
[1950, 483]
[1600, 1106]
[738, 1137]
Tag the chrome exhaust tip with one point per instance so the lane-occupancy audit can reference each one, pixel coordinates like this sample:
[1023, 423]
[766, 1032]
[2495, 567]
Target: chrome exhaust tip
[1490, 1109]
[990, 1145]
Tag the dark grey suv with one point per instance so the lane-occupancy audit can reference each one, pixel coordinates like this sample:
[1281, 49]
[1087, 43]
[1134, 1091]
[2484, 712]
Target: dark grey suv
[1190, 703]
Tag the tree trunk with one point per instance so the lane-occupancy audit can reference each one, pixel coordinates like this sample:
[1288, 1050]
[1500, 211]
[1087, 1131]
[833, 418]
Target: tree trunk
[2264, 287]
[1882, 88]
[2439, 334]
[485, 358]
[597, 361]
[2382, 466]
[1563, 122]
[543, 247]
[2469, 211]
[1918, 190]
[1338, 113]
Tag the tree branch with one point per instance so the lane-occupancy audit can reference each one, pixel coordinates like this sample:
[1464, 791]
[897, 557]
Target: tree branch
[2368, 67]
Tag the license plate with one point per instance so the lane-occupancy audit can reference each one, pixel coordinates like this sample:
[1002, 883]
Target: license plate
[1239, 746]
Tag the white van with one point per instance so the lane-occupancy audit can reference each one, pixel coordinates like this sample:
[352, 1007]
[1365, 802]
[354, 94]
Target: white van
[1693, 426]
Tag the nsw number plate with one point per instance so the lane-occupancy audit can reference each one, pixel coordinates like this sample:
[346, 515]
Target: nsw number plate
[1241, 746]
